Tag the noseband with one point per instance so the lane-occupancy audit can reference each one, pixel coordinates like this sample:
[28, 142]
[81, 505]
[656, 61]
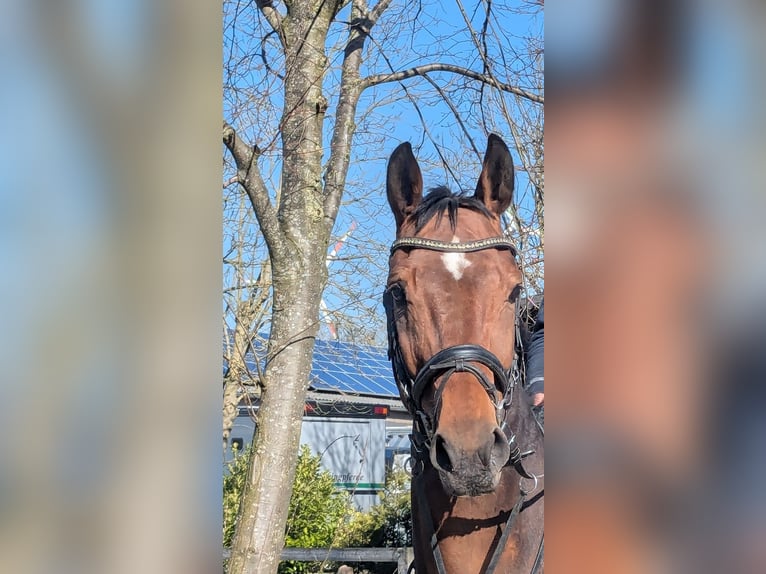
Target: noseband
[455, 359]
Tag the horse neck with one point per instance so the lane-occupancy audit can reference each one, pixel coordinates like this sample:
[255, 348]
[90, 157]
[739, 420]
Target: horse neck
[463, 525]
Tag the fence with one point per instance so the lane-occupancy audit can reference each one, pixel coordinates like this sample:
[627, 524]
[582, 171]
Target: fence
[401, 556]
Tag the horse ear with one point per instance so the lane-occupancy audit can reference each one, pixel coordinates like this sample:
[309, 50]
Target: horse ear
[495, 187]
[404, 183]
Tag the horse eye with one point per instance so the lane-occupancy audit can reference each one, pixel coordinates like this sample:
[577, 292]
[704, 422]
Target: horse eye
[514, 296]
[397, 293]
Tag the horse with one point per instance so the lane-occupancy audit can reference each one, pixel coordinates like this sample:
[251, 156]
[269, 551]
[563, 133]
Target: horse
[452, 307]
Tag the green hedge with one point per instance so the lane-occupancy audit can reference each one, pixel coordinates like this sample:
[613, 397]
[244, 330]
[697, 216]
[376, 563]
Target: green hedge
[317, 509]
[389, 524]
[320, 516]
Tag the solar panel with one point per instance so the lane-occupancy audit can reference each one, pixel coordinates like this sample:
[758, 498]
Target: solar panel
[344, 367]
[351, 368]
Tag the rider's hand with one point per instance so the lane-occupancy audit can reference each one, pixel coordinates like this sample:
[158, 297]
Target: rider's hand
[538, 399]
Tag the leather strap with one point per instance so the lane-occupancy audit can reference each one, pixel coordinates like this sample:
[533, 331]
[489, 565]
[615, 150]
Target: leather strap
[506, 532]
[498, 242]
[458, 359]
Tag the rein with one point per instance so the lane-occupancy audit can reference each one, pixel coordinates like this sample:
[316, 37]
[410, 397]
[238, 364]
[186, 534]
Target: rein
[456, 359]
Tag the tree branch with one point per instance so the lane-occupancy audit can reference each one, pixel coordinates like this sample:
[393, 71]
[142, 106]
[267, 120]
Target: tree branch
[380, 7]
[351, 88]
[423, 122]
[249, 177]
[426, 68]
[455, 112]
[273, 17]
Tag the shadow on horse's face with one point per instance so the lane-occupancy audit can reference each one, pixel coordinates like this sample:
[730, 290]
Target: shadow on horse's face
[444, 299]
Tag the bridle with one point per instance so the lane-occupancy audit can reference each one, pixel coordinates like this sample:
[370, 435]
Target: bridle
[455, 359]
[442, 365]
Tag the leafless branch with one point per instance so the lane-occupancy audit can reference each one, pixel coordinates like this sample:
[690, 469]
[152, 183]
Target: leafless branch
[250, 179]
[455, 112]
[441, 67]
[273, 17]
[351, 87]
[380, 7]
[426, 131]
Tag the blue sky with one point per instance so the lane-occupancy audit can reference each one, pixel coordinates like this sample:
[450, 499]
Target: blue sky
[440, 36]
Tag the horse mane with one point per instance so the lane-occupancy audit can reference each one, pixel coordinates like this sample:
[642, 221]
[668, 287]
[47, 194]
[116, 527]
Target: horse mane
[440, 200]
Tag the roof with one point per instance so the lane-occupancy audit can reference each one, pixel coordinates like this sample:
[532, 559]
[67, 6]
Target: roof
[350, 368]
[347, 368]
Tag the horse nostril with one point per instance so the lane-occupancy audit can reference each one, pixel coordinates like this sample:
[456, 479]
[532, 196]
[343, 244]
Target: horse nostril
[495, 449]
[485, 452]
[439, 455]
[500, 448]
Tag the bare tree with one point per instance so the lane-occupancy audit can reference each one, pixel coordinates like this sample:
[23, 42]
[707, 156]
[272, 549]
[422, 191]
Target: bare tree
[296, 72]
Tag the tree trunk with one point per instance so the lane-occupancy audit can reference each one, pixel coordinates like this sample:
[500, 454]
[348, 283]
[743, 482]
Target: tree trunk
[297, 228]
[299, 275]
[258, 544]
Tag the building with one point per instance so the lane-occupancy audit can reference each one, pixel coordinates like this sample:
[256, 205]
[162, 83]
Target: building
[353, 417]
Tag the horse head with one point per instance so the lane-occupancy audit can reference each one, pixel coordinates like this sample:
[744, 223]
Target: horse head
[451, 298]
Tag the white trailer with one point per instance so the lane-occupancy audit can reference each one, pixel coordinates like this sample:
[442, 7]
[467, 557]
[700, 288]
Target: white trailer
[349, 437]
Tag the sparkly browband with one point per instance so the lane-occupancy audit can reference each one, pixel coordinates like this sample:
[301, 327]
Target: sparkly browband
[465, 247]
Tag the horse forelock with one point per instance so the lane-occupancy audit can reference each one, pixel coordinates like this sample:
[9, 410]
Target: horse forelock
[441, 200]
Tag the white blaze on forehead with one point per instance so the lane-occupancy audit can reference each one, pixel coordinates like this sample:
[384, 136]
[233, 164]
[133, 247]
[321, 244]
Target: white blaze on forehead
[455, 262]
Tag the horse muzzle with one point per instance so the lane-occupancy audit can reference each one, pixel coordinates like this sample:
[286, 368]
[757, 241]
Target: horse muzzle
[469, 472]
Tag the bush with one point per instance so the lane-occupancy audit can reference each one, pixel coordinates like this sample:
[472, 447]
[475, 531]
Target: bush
[316, 511]
[320, 516]
[389, 524]
[233, 483]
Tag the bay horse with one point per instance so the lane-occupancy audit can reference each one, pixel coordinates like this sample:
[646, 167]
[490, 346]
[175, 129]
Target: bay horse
[453, 329]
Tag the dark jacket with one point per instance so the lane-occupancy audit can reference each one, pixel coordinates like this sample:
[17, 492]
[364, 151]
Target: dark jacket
[535, 364]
